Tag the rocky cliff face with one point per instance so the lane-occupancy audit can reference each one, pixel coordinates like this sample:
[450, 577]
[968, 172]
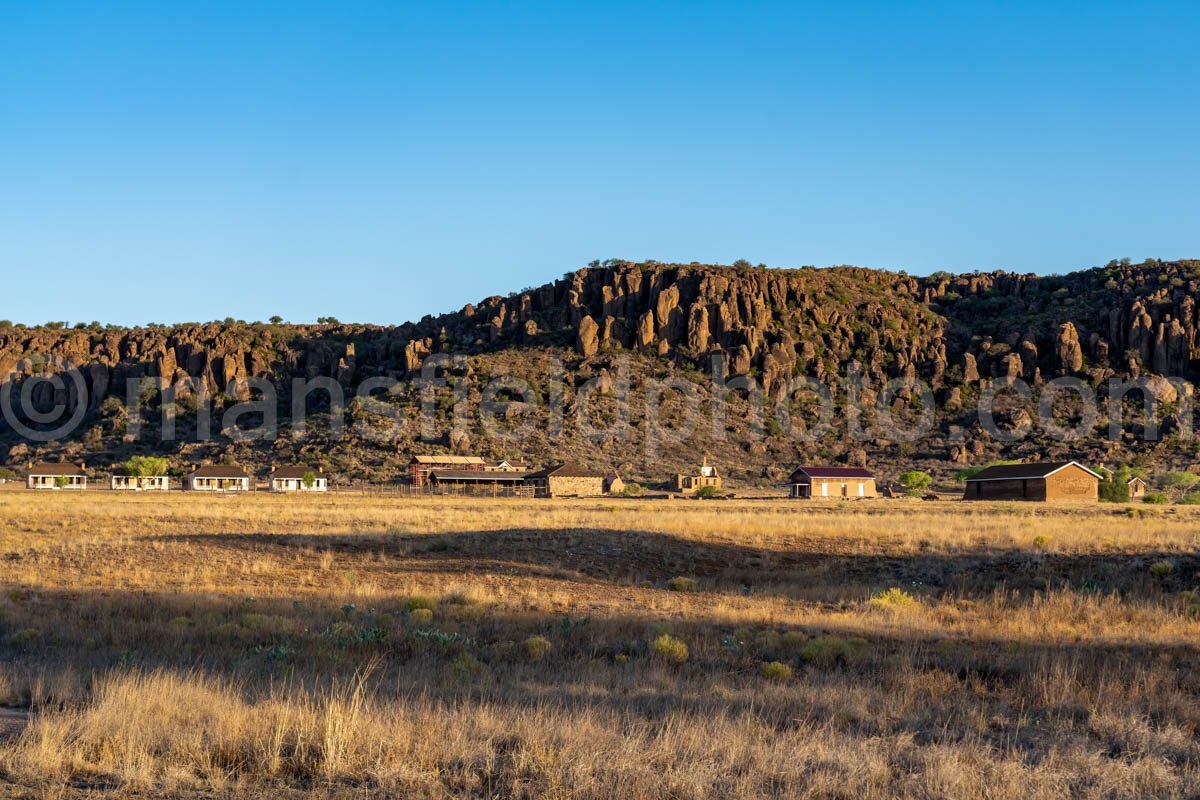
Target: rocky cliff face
[953, 332]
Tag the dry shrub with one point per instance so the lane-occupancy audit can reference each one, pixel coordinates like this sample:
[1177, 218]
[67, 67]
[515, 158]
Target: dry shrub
[681, 584]
[776, 671]
[670, 649]
[537, 647]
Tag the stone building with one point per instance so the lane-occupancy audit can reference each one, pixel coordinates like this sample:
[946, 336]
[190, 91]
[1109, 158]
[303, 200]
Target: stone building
[1062, 480]
[1137, 488]
[838, 482]
[566, 480]
[706, 475]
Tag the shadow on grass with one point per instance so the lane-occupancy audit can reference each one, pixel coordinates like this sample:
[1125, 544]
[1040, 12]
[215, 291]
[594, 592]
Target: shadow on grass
[811, 570]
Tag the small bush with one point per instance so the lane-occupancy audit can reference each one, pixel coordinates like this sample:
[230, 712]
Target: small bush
[1155, 499]
[827, 651]
[1161, 569]
[776, 671]
[420, 616]
[537, 647]
[420, 602]
[226, 631]
[469, 613]
[792, 640]
[465, 667]
[708, 491]
[670, 649]
[681, 584]
[25, 638]
[1041, 541]
[892, 599]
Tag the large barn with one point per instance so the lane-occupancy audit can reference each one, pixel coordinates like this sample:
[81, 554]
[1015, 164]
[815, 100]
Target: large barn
[1060, 480]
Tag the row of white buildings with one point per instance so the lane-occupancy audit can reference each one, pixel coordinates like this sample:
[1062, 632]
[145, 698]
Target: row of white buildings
[202, 478]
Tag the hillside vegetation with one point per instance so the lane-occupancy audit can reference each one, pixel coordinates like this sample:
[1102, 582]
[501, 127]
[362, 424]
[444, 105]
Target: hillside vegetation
[622, 324]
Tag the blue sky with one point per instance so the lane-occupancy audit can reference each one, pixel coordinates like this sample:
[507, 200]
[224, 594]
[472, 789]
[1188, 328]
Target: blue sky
[377, 161]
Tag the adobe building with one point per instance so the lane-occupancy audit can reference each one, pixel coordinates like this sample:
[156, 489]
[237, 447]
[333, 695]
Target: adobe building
[56, 476]
[121, 481]
[217, 478]
[298, 479]
[566, 480]
[836, 482]
[706, 475]
[1137, 488]
[1044, 482]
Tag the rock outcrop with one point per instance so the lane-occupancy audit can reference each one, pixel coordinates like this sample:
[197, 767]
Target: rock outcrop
[951, 332]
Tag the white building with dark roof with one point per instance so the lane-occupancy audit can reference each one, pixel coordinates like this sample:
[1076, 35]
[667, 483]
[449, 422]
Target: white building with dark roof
[298, 479]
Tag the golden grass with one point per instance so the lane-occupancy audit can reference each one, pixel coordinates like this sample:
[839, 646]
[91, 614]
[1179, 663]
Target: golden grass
[265, 644]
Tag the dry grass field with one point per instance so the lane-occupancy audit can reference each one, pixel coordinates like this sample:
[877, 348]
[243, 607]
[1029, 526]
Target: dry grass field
[363, 646]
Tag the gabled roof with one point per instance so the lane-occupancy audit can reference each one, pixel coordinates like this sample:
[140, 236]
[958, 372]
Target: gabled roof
[1012, 472]
[45, 468]
[1134, 478]
[506, 464]
[832, 472]
[296, 473]
[479, 475]
[218, 471]
[565, 471]
[428, 459]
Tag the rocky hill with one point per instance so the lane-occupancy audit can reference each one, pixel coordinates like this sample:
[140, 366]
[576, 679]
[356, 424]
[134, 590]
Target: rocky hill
[588, 337]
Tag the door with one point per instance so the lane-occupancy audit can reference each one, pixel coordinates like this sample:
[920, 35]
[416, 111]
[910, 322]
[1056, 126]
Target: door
[824, 489]
[862, 489]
